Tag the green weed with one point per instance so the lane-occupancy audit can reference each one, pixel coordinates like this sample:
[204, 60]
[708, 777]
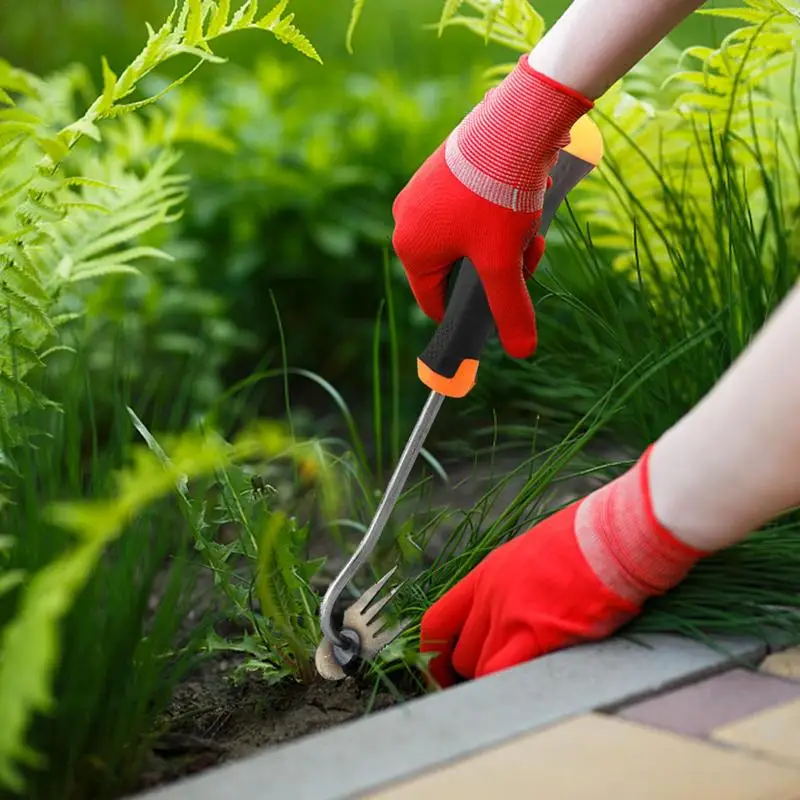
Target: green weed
[258, 555]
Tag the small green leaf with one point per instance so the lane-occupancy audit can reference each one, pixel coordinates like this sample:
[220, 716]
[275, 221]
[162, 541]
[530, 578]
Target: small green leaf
[285, 32]
[272, 16]
[109, 88]
[449, 10]
[220, 18]
[103, 272]
[126, 108]
[742, 14]
[55, 147]
[86, 127]
[244, 17]
[194, 23]
[19, 115]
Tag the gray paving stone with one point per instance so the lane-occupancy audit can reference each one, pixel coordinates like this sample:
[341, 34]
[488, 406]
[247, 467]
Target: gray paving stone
[430, 731]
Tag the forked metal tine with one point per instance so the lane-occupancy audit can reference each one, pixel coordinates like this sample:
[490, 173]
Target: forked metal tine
[375, 609]
[369, 595]
[381, 640]
[362, 618]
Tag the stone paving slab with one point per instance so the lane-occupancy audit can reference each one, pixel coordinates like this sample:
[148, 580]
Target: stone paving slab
[785, 664]
[735, 735]
[433, 731]
[603, 758]
[774, 733]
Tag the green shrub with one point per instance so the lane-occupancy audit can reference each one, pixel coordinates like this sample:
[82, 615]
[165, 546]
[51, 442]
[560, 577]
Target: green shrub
[65, 220]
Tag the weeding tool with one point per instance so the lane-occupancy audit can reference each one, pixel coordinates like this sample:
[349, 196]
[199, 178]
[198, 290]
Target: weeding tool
[448, 367]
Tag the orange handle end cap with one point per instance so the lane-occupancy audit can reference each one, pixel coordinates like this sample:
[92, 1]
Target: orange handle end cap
[586, 141]
[459, 385]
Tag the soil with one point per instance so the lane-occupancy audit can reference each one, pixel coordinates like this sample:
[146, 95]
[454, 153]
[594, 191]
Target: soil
[212, 720]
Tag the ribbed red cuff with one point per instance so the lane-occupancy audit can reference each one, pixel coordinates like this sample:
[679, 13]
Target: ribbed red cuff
[554, 84]
[657, 528]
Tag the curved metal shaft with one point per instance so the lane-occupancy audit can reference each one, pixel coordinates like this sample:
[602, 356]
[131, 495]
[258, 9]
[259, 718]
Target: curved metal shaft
[384, 511]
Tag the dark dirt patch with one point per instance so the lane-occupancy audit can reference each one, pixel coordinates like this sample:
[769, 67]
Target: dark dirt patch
[212, 720]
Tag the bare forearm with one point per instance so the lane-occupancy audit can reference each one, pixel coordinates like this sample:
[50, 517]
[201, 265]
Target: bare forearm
[733, 463]
[595, 42]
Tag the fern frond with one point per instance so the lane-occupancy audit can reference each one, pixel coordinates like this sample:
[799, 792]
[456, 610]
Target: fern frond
[512, 23]
[184, 32]
[660, 142]
[244, 17]
[449, 10]
[22, 278]
[219, 18]
[118, 263]
[287, 33]
[19, 303]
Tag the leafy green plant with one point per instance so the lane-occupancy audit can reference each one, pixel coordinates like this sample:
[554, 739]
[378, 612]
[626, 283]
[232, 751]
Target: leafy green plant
[29, 640]
[262, 567]
[749, 589]
[74, 211]
[268, 564]
[744, 93]
[683, 240]
[59, 227]
[511, 23]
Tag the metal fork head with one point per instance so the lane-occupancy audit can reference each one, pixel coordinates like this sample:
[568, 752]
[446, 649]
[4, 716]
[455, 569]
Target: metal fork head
[364, 629]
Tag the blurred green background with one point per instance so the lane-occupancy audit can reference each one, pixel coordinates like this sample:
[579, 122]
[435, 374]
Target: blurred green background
[391, 35]
[295, 211]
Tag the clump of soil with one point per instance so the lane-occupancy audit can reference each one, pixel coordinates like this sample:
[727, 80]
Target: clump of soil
[212, 720]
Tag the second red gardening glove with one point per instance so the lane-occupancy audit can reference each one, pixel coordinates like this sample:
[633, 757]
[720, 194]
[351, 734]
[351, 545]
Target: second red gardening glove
[480, 196]
[577, 576]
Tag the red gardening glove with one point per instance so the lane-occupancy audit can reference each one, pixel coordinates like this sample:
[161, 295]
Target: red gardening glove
[577, 576]
[480, 196]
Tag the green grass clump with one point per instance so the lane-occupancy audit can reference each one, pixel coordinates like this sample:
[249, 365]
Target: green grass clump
[90, 640]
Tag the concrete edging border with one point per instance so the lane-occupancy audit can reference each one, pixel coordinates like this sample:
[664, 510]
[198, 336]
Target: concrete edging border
[363, 755]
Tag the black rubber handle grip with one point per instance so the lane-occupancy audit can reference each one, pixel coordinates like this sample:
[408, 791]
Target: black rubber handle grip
[449, 363]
